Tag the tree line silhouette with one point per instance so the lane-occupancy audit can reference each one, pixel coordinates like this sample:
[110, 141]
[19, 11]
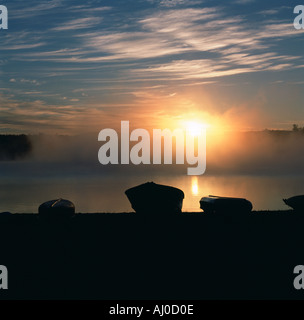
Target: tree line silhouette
[13, 147]
[296, 128]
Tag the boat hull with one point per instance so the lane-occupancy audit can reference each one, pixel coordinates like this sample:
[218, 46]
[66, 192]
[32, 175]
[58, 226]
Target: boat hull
[214, 204]
[296, 202]
[59, 208]
[155, 198]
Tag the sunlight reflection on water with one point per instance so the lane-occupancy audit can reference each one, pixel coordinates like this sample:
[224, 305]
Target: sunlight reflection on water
[106, 194]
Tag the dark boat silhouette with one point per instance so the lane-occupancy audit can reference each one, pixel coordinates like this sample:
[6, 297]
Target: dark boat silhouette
[217, 204]
[59, 208]
[296, 202]
[155, 198]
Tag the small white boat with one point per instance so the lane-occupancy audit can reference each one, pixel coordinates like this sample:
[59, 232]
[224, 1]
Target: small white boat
[216, 204]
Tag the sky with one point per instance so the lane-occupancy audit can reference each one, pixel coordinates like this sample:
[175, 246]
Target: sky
[69, 66]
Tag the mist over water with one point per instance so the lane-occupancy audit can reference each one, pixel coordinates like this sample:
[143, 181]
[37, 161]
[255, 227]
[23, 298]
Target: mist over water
[263, 167]
[250, 153]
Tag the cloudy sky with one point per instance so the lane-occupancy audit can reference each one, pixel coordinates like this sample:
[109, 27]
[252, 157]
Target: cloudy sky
[69, 66]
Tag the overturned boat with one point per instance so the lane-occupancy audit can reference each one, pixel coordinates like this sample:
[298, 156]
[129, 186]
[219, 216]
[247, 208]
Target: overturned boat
[216, 204]
[296, 202]
[155, 198]
[59, 208]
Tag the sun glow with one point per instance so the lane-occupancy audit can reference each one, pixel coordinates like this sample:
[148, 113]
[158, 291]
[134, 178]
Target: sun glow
[195, 128]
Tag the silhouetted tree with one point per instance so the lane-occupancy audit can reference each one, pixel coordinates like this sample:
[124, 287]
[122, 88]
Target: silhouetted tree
[14, 147]
[295, 128]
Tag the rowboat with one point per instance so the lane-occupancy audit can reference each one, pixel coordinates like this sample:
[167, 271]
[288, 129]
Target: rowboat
[217, 204]
[155, 198]
[59, 208]
[296, 202]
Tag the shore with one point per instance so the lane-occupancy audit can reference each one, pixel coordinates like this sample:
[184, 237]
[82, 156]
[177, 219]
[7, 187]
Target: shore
[127, 256]
[201, 213]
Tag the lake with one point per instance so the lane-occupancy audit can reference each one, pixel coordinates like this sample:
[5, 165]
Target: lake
[23, 187]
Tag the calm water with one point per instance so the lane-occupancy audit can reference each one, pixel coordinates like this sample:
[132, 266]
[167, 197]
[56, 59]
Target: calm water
[90, 193]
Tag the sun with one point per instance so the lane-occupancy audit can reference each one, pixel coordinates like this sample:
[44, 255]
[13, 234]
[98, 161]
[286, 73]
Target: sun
[195, 128]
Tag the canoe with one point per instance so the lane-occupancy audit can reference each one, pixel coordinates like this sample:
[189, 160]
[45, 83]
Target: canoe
[216, 204]
[155, 198]
[296, 202]
[59, 208]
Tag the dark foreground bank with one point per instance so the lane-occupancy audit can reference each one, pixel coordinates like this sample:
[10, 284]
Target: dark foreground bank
[129, 256]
